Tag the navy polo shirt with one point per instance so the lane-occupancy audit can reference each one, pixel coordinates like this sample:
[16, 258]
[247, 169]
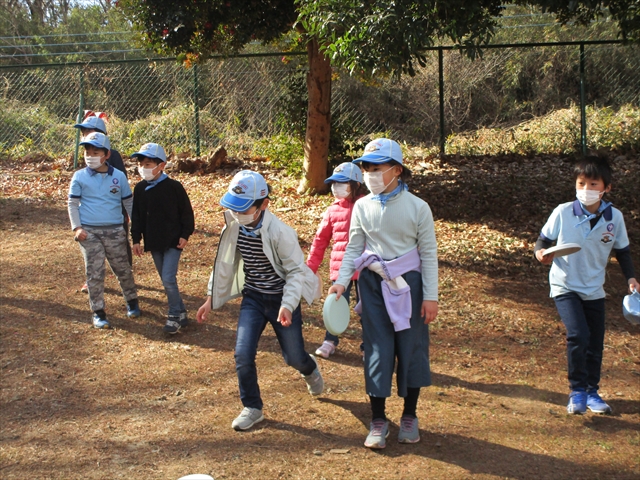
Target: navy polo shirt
[583, 272]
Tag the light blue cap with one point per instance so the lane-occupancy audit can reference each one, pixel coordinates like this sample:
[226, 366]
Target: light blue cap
[345, 172]
[381, 150]
[97, 139]
[151, 150]
[93, 122]
[245, 188]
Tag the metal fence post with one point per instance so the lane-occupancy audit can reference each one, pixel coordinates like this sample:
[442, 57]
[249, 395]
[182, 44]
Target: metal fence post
[79, 119]
[583, 107]
[441, 92]
[196, 108]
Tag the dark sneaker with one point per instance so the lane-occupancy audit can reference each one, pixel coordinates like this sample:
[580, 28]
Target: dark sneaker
[173, 325]
[315, 383]
[184, 320]
[133, 310]
[577, 402]
[378, 433]
[247, 418]
[99, 319]
[409, 432]
[596, 404]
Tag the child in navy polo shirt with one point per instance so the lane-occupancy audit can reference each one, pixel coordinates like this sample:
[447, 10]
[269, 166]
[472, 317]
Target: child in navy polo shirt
[96, 196]
[163, 216]
[577, 280]
[259, 258]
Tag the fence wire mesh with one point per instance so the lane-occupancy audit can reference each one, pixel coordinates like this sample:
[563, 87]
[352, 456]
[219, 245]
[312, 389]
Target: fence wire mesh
[226, 100]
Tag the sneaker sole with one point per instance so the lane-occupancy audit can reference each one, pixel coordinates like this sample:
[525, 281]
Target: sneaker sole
[599, 412]
[408, 440]
[238, 428]
[172, 332]
[133, 315]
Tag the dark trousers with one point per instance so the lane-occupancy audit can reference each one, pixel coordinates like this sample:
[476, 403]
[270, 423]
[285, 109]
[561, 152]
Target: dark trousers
[584, 321]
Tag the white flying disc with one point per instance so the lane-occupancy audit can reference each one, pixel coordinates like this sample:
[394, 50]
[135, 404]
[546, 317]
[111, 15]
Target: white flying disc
[335, 314]
[562, 250]
[197, 476]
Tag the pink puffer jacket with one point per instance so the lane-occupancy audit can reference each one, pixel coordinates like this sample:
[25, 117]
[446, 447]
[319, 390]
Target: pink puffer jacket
[334, 226]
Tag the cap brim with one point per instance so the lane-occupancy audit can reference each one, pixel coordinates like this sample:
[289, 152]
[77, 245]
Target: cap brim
[235, 203]
[337, 178]
[374, 159]
[84, 125]
[95, 144]
[148, 155]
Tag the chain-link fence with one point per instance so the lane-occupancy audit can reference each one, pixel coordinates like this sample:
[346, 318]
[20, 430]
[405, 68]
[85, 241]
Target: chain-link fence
[228, 100]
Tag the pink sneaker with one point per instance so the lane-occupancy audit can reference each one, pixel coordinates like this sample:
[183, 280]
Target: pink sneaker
[326, 349]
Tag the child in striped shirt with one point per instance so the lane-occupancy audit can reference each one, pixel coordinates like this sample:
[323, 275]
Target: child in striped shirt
[259, 259]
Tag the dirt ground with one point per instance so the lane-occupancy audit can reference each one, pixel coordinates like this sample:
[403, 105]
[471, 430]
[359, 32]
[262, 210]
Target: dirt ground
[131, 402]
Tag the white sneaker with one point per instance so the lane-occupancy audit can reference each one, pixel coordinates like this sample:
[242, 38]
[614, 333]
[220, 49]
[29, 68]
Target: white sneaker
[247, 418]
[326, 349]
[315, 383]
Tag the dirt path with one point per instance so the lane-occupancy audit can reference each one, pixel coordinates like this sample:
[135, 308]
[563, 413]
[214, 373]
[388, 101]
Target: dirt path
[78, 403]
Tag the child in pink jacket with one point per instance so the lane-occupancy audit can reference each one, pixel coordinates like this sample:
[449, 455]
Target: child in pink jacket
[346, 186]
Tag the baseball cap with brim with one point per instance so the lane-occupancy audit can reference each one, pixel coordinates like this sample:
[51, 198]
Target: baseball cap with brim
[97, 139]
[151, 150]
[381, 150]
[92, 122]
[345, 172]
[631, 308]
[245, 188]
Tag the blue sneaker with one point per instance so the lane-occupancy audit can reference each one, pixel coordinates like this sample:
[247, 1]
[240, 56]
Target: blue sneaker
[577, 402]
[596, 404]
[100, 319]
[133, 310]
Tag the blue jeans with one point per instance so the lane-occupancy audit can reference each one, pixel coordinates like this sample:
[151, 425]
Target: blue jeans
[346, 295]
[167, 267]
[584, 321]
[256, 310]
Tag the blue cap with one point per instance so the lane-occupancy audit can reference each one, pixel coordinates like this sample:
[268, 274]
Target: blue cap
[345, 172]
[97, 139]
[151, 150]
[245, 188]
[381, 150]
[631, 308]
[95, 123]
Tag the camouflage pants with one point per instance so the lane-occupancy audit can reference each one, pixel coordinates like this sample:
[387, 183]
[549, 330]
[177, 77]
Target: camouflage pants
[109, 244]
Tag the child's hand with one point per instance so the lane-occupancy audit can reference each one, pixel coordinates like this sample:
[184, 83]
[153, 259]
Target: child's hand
[284, 316]
[634, 285]
[548, 260]
[337, 289]
[429, 311]
[204, 310]
[182, 243]
[80, 234]
[137, 250]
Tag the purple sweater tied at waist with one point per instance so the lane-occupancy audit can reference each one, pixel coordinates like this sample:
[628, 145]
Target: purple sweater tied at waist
[395, 290]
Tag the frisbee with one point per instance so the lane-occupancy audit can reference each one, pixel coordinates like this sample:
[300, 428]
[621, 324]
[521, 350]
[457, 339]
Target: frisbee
[563, 249]
[631, 308]
[335, 314]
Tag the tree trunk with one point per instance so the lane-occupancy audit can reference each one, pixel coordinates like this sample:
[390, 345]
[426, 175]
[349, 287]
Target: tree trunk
[316, 144]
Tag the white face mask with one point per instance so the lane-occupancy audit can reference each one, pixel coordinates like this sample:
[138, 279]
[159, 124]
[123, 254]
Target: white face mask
[244, 219]
[340, 190]
[588, 197]
[92, 162]
[375, 182]
[146, 173]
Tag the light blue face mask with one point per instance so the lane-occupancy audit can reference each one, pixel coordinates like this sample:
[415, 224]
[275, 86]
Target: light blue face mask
[244, 219]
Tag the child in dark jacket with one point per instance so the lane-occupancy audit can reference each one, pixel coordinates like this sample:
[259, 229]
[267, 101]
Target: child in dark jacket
[163, 216]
